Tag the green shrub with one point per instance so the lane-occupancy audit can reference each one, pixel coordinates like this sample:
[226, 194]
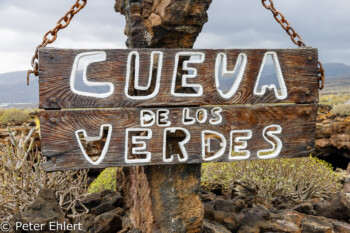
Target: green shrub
[2, 111]
[17, 116]
[299, 179]
[341, 109]
[106, 180]
[333, 99]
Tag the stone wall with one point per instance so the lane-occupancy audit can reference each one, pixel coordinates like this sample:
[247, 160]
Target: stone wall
[333, 137]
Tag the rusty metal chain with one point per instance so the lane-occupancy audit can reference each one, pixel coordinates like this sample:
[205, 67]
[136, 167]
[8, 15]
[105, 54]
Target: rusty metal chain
[51, 35]
[295, 37]
[321, 75]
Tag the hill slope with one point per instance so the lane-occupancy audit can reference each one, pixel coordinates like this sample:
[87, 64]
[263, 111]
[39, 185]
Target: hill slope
[14, 89]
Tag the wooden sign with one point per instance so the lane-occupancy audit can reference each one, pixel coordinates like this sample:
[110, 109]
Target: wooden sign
[175, 106]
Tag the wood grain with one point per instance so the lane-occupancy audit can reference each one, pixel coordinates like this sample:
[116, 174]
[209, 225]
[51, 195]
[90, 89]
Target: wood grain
[299, 68]
[62, 150]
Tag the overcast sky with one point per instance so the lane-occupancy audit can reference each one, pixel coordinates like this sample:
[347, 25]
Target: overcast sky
[323, 24]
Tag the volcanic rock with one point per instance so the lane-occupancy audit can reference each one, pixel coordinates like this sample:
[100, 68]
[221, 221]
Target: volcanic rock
[337, 206]
[44, 210]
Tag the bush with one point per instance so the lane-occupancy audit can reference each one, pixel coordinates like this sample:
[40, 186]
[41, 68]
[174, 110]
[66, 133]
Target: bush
[299, 179]
[2, 111]
[17, 116]
[333, 99]
[106, 180]
[22, 176]
[341, 109]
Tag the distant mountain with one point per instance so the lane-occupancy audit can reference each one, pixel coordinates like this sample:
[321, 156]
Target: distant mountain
[334, 69]
[14, 89]
[337, 78]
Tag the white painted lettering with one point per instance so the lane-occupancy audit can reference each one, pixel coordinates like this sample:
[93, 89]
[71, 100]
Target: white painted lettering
[192, 73]
[276, 146]
[182, 158]
[207, 137]
[216, 112]
[201, 115]
[186, 119]
[91, 139]
[147, 118]
[221, 62]
[280, 94]
[85, 59]
[137, 86]
[163, 116]
[239, 149]
[140, 150]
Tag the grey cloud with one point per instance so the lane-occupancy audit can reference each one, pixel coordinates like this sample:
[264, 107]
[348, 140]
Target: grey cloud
[232, 24]
[322, 24]
[245, 23]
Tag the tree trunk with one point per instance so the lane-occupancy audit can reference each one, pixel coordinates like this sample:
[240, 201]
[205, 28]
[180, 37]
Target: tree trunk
[163, 198]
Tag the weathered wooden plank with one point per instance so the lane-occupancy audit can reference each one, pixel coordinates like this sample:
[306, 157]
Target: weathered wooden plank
[298, 69]
[60, 143]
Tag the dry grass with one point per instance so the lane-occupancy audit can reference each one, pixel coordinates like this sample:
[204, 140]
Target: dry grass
[16, 116]
[299, 179]
[334, 99]
[341, 109]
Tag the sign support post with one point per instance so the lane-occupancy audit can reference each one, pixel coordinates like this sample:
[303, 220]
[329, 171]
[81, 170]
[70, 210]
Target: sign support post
[173, 189]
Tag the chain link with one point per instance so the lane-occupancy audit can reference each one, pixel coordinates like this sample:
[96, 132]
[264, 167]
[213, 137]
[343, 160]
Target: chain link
[295, 37]
[321, 76]
[51, 35]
